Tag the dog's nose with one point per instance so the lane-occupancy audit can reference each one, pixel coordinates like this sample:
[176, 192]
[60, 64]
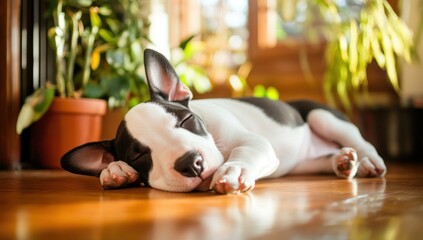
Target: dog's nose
[190, 164]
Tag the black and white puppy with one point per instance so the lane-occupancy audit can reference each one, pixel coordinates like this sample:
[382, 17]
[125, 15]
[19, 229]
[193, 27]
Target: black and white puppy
[175, 144]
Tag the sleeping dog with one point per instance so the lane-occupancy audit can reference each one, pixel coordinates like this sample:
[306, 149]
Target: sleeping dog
[173, 143]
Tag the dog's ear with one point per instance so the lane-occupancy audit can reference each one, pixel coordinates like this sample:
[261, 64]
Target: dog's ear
[162, 79]
[90, 158]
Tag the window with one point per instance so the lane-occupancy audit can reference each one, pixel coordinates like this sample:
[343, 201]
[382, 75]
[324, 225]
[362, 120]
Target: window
[287, 48]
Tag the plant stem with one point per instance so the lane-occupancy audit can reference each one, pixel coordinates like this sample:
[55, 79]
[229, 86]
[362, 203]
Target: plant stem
[72, 53]
[89, 50]
[59, 40]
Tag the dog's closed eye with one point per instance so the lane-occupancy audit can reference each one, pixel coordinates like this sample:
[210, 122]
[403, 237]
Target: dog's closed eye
[139, 155]
[194, 125]
[186, 122]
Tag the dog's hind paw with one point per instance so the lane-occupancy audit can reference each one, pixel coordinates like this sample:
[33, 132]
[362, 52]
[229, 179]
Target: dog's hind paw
[345, 163]
[118, 174]
[232, 179]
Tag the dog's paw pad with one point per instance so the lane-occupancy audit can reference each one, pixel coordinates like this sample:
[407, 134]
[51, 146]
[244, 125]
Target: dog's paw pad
[118, 174]
[225, 187]
[371, 164]
[233, 180]
[345, 163]
[369, 169]
[111, 182]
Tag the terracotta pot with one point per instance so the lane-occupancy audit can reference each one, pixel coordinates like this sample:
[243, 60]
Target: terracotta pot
[68, 123]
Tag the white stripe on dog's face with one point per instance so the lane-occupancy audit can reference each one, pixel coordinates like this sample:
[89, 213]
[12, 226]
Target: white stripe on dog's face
[157, 127]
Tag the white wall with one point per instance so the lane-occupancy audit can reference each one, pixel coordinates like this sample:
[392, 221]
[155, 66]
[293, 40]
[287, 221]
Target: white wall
[159, 28]
[412, 74]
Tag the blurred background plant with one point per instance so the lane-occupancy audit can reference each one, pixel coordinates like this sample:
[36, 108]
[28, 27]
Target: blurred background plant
[195, 75]
[191, 73]
[376, 34]
[98, 47]
[356, 33]
[188, 63]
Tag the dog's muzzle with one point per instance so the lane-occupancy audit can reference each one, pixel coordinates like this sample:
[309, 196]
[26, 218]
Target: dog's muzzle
[190, 164]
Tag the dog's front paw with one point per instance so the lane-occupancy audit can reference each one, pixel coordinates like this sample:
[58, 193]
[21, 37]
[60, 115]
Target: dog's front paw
[371, 164]
[232, 178]
[118, 174]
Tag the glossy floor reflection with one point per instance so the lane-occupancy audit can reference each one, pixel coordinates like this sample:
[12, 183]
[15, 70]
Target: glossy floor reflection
[59, 205]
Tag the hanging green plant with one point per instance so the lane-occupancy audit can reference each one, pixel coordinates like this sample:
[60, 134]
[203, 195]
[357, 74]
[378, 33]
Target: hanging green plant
[377, 34]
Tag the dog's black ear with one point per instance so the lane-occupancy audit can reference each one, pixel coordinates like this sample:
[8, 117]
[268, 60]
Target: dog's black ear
[162, 79]
[90, 158]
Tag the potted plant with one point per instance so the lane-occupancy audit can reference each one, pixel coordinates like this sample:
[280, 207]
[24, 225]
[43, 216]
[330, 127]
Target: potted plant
[97, 46]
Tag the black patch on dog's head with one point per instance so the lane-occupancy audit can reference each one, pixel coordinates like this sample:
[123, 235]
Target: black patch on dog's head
[186, 119]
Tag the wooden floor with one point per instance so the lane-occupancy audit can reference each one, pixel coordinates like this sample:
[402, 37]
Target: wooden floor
[58, 205]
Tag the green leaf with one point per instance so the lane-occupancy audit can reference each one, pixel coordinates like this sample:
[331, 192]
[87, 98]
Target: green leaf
[95, 19]
[191, 49]
[134, 101]
[116, 86]
[186, 41]
[106, 35]
[113, 25]
[136, 51]
[105, 10]
[93, 90]
[352, 47]
[25, 118]
[116, 58]
[35, 106]
[390, 63]
[237, 83]
[202, 84]
[123, 39]
[45, 100]
[272, 93]
[259, 91]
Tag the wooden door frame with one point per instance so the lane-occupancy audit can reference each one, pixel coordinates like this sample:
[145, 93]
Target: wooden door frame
[10, 13]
